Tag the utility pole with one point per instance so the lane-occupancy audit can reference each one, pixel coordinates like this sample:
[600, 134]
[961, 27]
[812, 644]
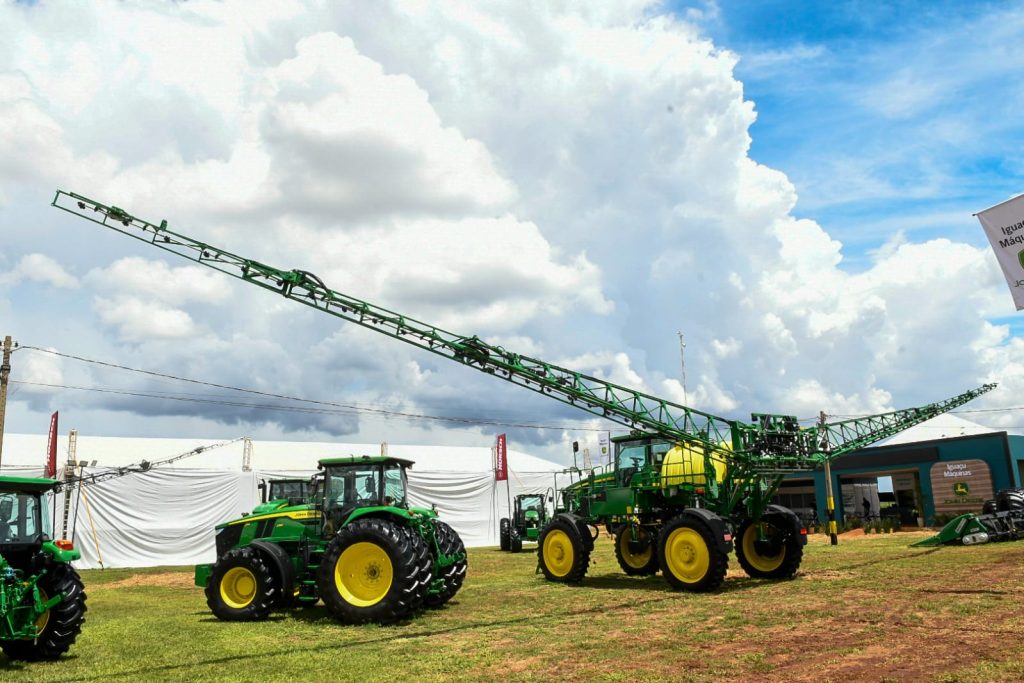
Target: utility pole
[830, 502]
[5, 372]
[682, 362]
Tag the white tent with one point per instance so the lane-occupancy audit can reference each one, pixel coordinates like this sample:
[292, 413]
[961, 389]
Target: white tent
[166, 514]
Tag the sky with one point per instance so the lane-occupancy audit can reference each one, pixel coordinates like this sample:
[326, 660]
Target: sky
[790, 185]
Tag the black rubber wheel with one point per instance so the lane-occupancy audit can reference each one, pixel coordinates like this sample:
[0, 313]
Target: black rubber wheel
[989, 506]
[504, 533]
[515, 541]
[690, 558]
[60, 625]
[643, 563]
[454, 574]
[1010, 499]
[776, 556]
[241, 587]
[374, 570]
[561, 552]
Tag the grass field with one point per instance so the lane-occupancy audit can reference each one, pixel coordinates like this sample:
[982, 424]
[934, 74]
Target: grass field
[870, 609]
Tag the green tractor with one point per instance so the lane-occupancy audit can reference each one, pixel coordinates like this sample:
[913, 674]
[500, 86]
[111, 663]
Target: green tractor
[42, 600]
[356, 544]
[529, 515]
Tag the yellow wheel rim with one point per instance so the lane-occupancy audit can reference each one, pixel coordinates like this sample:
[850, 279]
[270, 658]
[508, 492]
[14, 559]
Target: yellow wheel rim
[634, 560]
[238, 587]
[44, 618]
[687, 555]
[363, 574]
[559, 554]
[762, 563]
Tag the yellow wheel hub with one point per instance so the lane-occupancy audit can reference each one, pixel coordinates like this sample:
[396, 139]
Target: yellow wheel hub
[363, 574]
[238, 587]
[760, 562]
[687, 555]
[559, 554]
[635, 560]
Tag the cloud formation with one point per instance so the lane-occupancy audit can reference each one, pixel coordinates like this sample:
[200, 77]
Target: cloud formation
[574, 182]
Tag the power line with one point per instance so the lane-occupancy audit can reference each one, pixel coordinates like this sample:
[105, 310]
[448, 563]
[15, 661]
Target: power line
[308, 410]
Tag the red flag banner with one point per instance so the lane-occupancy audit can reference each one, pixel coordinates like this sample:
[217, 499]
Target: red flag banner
[51, 448]
[500, 460]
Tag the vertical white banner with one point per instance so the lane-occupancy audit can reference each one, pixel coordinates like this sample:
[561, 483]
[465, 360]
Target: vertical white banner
[603, 442]
[1004, 225]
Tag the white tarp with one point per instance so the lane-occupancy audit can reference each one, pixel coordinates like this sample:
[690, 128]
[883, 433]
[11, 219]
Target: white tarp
[166, 516]
[1004, 226]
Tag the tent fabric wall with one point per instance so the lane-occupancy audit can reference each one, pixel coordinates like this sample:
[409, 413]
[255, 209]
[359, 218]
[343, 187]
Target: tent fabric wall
[167, 514]
[167, 517]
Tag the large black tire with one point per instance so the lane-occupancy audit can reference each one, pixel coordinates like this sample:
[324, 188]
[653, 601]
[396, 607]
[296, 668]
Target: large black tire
[515, 541]
[505, 533]
[453, 575]
[374, 570]
[60, 626]
[989, 506]
[690, 558]
[241, 586]
[1010, 499]
[636, 564]
[561, 552]
[777, 556]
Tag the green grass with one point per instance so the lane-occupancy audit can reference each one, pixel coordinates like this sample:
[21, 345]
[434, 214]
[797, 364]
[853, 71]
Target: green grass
[868, 609]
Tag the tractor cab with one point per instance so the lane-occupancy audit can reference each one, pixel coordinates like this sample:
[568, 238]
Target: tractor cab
[361, 482]
[529, 510]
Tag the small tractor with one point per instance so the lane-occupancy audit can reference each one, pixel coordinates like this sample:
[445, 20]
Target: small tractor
[529, 516]
[356, 544]
[42, 600]
[686, 486]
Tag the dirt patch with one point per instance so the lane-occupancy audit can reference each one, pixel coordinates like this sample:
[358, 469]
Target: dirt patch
[162, 580]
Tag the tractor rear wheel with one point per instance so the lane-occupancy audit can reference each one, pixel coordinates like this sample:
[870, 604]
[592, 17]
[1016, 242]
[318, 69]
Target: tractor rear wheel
[504, 533]
[450, 543]
[641, 563]
[373, 570]
[690, 558]
[241, 587]
[58, 627]
[768, 549]
[1010, 499]
[562, 554]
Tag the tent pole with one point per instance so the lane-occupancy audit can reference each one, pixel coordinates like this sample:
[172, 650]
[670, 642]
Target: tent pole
[95, 540]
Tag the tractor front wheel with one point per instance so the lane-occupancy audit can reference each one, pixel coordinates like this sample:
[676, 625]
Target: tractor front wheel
[690, 558]
[450, 543]
[515, 541]
[562, 554]
[241, 587]
[642, 563]
[768, 549]
[505, 533]
[373, 570]
[58, 627]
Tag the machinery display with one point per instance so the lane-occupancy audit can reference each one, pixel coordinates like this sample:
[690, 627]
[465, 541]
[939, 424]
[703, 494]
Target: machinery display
[356, 544]
[685, 486]
[529, 515]
[42, 600]
[1001, 519]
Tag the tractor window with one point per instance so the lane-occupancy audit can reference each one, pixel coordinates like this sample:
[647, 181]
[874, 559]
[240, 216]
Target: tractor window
[291, 490]
[394, 485]
[631, 456]
[352, 486]
[20, 520]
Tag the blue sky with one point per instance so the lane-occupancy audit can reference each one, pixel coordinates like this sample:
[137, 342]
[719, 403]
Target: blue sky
[886, 116]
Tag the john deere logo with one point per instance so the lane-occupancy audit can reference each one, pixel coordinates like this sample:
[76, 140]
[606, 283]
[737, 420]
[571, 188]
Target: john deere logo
[1020, 257]
[960, 489]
